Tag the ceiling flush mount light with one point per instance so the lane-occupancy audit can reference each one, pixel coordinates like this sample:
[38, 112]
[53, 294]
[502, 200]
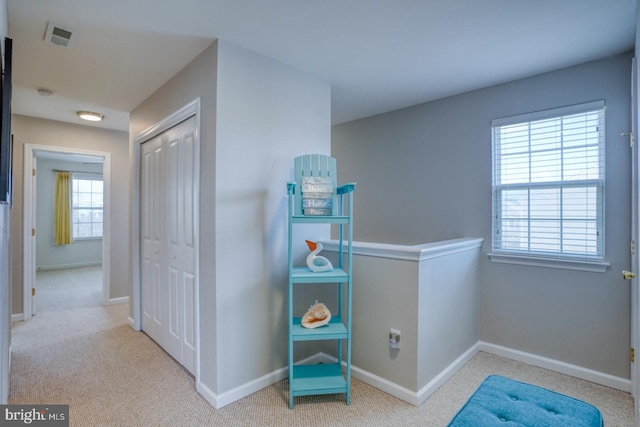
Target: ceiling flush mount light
[90, 115]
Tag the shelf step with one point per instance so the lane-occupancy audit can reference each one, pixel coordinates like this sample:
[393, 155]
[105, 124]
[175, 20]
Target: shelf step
[304, 275]
[320, 219]
[335, 330]
[317, 379]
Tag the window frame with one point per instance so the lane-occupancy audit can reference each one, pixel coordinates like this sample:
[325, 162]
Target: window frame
[85, 176]
[554, 259]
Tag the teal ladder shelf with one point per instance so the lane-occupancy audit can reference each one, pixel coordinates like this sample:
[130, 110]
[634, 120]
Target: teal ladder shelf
[330, 378]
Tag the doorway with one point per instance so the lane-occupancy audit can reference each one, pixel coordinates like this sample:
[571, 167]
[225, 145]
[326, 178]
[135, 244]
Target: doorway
[32, 154]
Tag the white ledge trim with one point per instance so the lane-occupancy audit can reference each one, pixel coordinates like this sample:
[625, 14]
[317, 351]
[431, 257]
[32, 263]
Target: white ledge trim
[410, 253]
[566, 264]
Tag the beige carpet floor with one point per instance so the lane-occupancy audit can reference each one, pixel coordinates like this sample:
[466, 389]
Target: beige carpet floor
[110, 375]
[68, 288]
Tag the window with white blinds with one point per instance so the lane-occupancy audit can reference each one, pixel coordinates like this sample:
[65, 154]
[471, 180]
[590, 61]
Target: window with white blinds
[87, 193]
[548, 183]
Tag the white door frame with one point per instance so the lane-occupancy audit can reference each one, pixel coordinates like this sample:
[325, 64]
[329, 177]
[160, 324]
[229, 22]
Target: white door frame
[29, 258]
[635, 236]
[189, 110]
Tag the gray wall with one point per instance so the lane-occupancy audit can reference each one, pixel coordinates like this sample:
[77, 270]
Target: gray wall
[30, 130]
[424, 174]
[257, 115]
[197, 79]
[48, 255]
[267, 115]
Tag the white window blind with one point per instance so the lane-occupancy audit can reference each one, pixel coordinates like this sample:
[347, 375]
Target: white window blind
[548, 183]
[87, 205]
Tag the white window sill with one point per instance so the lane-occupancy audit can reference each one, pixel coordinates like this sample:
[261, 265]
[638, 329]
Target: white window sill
[566, 264]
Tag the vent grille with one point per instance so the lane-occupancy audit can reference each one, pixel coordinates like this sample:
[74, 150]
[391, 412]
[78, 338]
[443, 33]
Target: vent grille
[59, 36]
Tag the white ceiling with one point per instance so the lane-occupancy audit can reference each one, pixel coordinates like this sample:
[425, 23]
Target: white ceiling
[378, 55]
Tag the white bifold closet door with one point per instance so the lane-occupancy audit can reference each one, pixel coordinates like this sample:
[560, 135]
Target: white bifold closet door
[167, 224]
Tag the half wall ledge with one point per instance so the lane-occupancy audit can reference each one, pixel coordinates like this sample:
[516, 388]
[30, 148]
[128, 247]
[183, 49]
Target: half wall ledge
[419, 252]
[428, 294]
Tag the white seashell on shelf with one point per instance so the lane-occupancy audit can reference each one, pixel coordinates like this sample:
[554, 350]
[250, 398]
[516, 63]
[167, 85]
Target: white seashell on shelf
[317, 315]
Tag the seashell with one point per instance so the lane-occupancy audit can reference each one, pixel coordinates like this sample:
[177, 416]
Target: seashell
[317, 315]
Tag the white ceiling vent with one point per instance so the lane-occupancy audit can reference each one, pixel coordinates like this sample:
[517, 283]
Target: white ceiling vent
[59, 35]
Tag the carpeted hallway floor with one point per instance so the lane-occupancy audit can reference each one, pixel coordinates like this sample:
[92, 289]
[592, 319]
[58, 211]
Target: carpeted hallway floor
[88, 357]
[67, 289]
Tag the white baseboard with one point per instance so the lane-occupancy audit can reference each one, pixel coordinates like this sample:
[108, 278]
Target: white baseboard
[586, 374]
[207, 393]
[372, 379]
[71, 265]
[446, 374]
[120, 300]
[17, 317]
[416, 398]
[409, 396]
[385, 385]
[244, 390]
[419, 397]
[402, 393]
[132, 323]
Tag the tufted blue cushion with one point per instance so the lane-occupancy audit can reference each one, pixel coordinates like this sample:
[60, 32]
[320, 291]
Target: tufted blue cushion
[503, 402]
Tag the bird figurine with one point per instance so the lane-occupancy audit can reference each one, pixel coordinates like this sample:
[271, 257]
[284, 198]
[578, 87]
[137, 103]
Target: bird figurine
[316, 263]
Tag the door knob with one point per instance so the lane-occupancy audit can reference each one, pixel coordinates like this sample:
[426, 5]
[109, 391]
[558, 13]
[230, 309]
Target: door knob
[627, 275]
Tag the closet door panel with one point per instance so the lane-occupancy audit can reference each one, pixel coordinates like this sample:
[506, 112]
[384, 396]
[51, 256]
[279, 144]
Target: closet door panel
[189, 339]
[173, 333]
[152, 238]
[189, 188]
[173, 338]
[181, 232]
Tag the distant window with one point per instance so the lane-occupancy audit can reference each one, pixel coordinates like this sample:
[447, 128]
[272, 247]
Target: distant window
[548, 183]
[87, 207]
